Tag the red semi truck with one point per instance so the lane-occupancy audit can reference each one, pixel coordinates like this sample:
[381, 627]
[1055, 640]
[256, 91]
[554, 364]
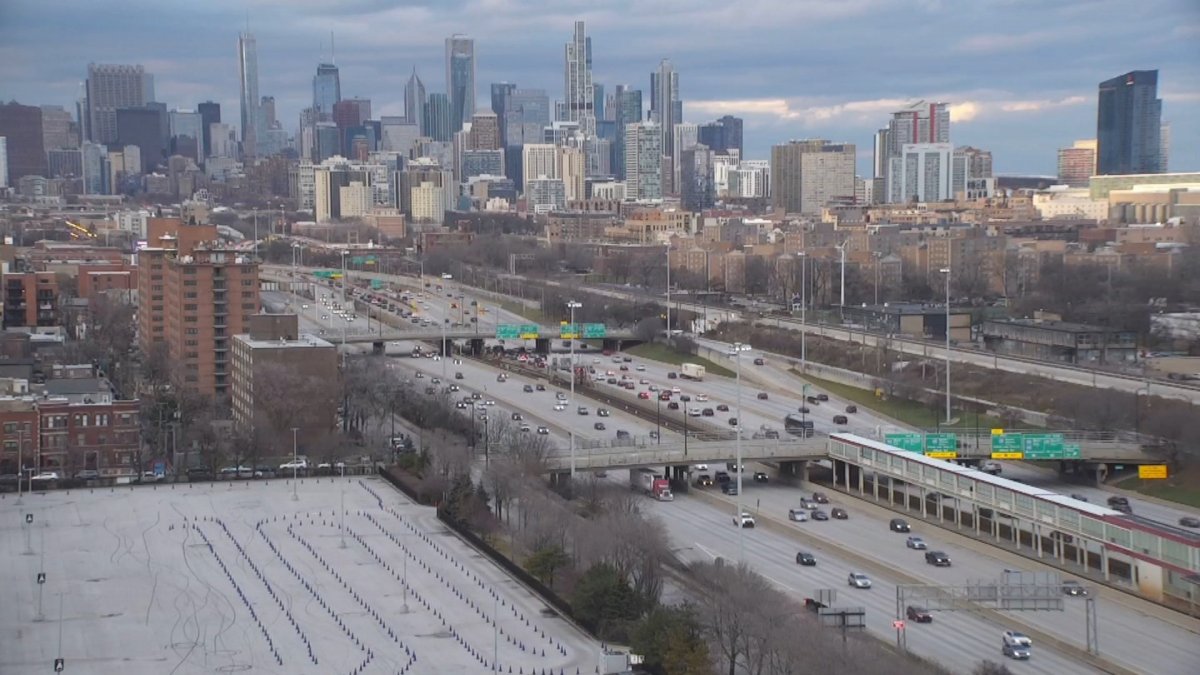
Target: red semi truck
[653, 484]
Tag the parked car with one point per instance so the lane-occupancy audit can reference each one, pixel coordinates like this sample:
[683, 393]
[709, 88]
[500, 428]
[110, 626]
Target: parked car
[899, 525]
[88, 474]
[916, 543]
[858, 580]
[806, 559]
[918, 614]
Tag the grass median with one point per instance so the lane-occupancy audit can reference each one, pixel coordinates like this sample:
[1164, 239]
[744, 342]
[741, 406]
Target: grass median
[660, 352]
[1179, 488]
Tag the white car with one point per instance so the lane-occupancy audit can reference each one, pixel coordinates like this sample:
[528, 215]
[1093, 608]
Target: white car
[700, 467]
[676, 390]
[1016, 639]
[859, 580]
[543, 430]
[298, 465]
[799, 515]
[916, 543]
[746, 520]
[701, 397]
[695, 412]
[559, 407]
[46, 476]
[640, 368]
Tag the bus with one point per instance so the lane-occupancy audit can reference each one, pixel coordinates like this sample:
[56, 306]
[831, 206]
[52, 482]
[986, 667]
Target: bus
[798, 425]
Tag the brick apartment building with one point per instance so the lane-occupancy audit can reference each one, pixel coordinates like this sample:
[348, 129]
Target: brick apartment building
[194, 294]
[30, 299]
[302, 371]
[56, 434]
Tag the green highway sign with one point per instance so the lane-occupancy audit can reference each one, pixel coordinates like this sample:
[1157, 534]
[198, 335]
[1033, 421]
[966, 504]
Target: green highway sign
[941, 442]
[507, 331]
[530, 331]
[1072, 451]
[1008, 443]
[594, 330]
[909, 442]
[568, 331]
[1043, 446]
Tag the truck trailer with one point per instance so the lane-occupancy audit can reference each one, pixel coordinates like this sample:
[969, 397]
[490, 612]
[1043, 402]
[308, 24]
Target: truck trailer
[691, 371]
[654, 484]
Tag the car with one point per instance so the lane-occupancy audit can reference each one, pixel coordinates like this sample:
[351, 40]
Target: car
[838, 513]
[898, 525]
[694, 412]
[685, 398]
[722, 477]
[602, 412]
[733, 421]
[560, 396]
[527, 388]
[517, 417]
[559, 407]
[806, 503]
[653, 434]
[643, 381]
[990, 467]
[822, 397]
[916, 543]
[762, 396]
[611, 380]
[419, 375]
[1072, 587]
[818, 514]
[799, 515]
[673, 405]
[707, 412]
[460, 405]
[1189, 521]
[676, 390]
[760, 477]
[858, 580]
[1078, 497]
[544, 431]
[645, 395]
[299, 465]
[501, 377]
[541, 387]
[1018, 652]
[598, 426]
[721, 407]
[805, 559]
[746, 520]
[701, 398]
[704, 480]
[672, 375]
[489, 402]
[851, 409]
[730, 488]
[596, 361]
[841, 419]
[1015, 639]
[803, 409]
[918, 614]
[759, 361]
[640, 368]
[627, 359]
[937, 559]
[624, 367]
[820, 498]
[87, 474]
[654, 387]
[526, 427]
[454, 387]
[582, 410]
[48, 476]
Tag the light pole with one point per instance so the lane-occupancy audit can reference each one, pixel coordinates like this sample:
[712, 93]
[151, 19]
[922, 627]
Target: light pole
[21, 463]
[735, 352]
[842, 285]
[946, 271]
[804, 312]
[878, 257]
[803, 407]
[345, 253]
[295, 464]
[668, 292]
[573, 305]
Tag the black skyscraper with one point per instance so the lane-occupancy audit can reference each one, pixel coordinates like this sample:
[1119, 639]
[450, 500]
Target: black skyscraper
[210, 113]
[1129, 124]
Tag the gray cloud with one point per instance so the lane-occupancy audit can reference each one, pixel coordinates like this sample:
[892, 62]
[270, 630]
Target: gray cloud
[1023, 72]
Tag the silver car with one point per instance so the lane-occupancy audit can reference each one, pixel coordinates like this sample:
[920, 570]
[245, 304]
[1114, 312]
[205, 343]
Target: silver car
[798, 515]
[859, 580]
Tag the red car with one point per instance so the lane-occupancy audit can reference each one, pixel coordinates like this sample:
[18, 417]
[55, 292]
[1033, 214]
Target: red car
[664, 396]
[644, 394]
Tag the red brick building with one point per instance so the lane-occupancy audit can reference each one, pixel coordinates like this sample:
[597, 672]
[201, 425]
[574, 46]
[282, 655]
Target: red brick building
[103, 437]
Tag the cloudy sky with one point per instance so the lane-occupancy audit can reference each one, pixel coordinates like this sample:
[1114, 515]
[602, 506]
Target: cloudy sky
[1021, 74]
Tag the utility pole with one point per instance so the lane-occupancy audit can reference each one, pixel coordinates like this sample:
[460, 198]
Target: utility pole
[571, 305]
[946, 271]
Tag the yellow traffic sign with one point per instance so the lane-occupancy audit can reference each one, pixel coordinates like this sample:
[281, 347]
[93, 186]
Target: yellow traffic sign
[1008, 455]
[942, 454]
[1152, 471]
[997, 432]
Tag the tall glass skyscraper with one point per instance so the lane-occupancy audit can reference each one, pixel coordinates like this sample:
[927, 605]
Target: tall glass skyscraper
[580, 100]
[248, 70]
[1129, 125]
[327, 90]
[627, 109]
[437, 117]
[460, 79]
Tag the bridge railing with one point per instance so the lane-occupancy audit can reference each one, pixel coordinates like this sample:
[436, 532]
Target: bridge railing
[674, 453]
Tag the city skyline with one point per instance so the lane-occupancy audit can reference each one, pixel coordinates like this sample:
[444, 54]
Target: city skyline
[1018, 89]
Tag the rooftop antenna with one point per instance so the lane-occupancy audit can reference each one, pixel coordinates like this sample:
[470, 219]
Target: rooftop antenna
[332, 56]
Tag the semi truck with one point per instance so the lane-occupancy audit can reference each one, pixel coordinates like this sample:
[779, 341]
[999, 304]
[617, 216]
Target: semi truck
[653, 484]
[691, 371]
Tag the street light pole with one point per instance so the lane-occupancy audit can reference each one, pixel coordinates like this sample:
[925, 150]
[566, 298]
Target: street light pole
[295, 464]
[804, 312]
[668, 292]
[946, 271]
[573, 305]
[21, 463]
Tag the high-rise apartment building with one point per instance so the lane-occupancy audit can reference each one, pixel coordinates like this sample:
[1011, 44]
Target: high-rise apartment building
[666, 108]
[248, 74]
[539, 160]
[1129, 125]
[1164, 153]
[683, 137]
[31, 299]
[22, 126]
[579, 96]
[697, 187]
[460, 80]
[627, 109]
[808, 174]
[501, 91]
[643, 161]
[971, 169]
[110, 87]
[1077, 164]
[414, 101]
[210, 113]
[327, 91]
[194, 295]
[920, 122]
[921, 173]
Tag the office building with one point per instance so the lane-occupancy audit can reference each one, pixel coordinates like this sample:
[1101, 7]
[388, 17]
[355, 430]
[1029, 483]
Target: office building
[460, 80]
[697, 187]
[351, 112]
[808, 174]
[1129, 125]
[437, 118]
[210, 114]
[327, 91]
[485, 131]
[539, 160]
[683, 137]
[58, 129]
[526, 114]
[414, 102]
[248, 73]
[643, 161]
[1164, 152]
[276, 368]
[543, 195]
[501, 91]
[110, 87]
[22, 126]
[194, 295]
[481, 163]
[94, 160]
[921, 173]
[3, 162]
[186, 133]
[627, 109]
[579, 97]
[64, 163]
[723, 136]
[398, 134]
[1077, 164]
[666, 108]
[142, 127]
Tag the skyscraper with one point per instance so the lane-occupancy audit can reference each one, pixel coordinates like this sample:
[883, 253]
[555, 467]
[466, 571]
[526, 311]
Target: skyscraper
[627, 109]
[460, 79]
[3, 162]
[437, 117]
[22, 125]
[643, 161]
[808, 174]
[327, 90]
[920, 122]
[210, 113]
[665, 106]
[248, 72]
[1129, 125]
[414, 101]
[526, 114]
[110, 87]
[579, 97]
